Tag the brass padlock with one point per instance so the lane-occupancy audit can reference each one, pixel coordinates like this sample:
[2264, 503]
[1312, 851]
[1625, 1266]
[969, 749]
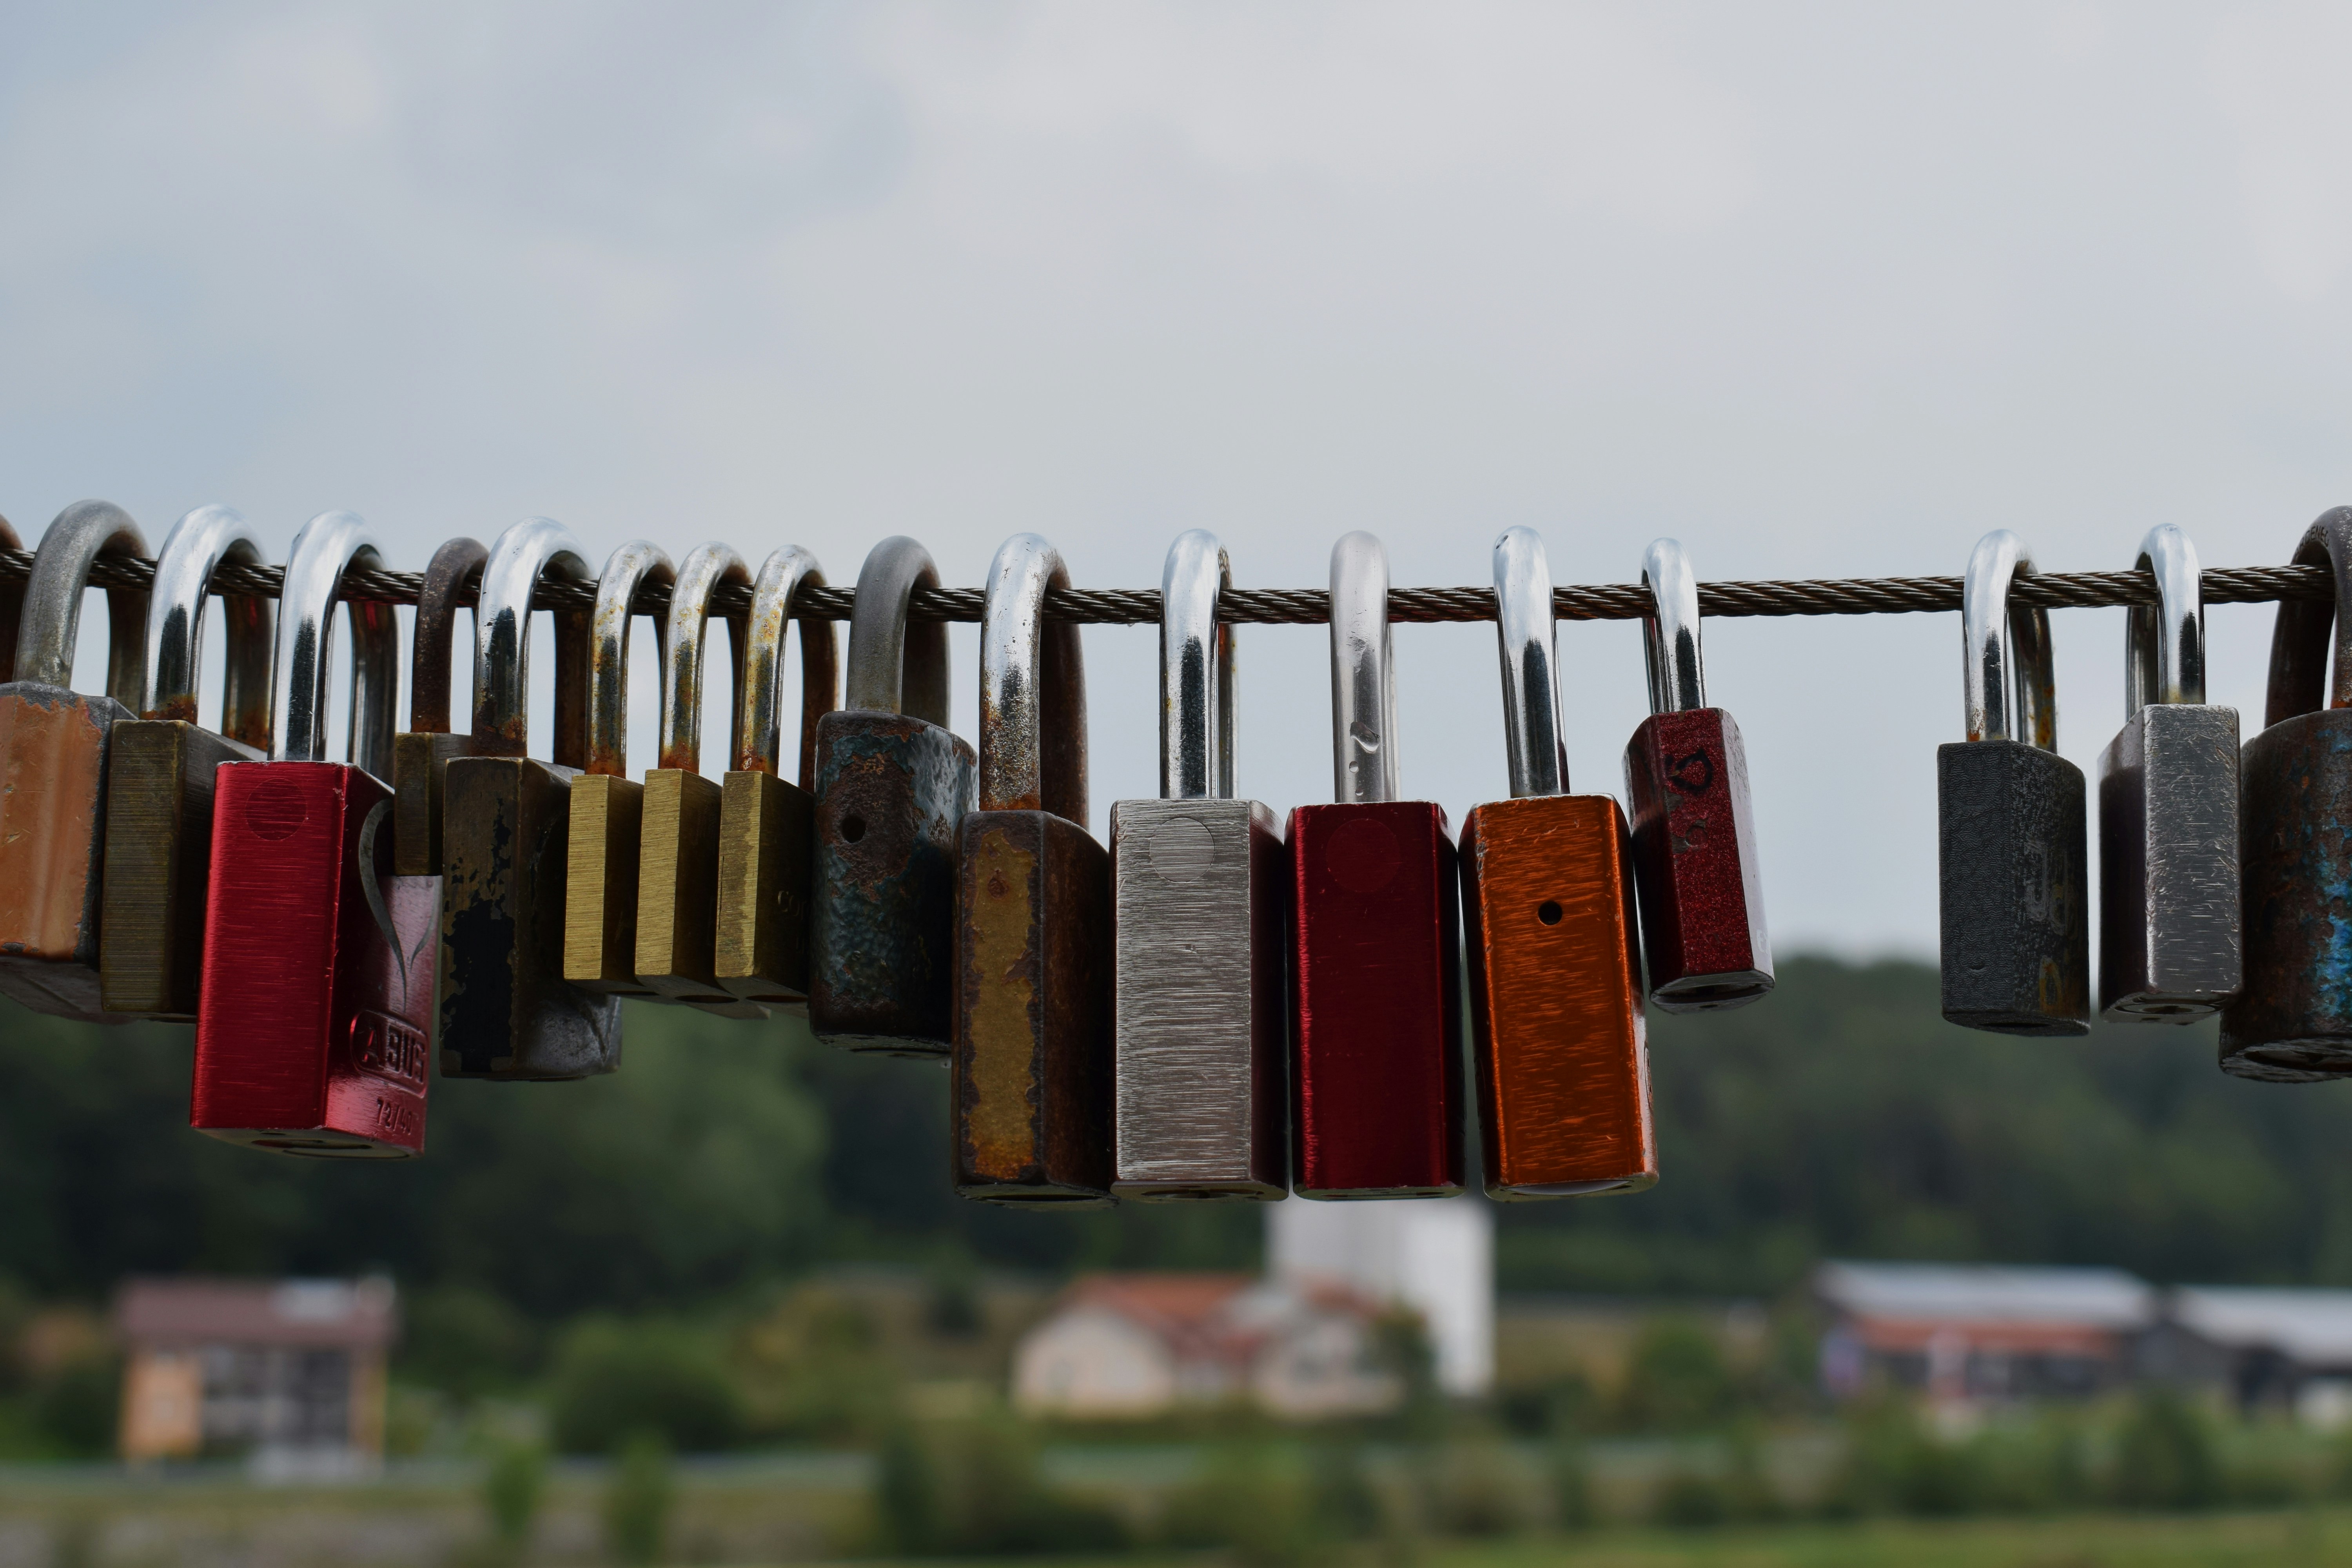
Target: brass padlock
[420, 758]
[160, 771]
[600, 914]
[53, 745]
[767, 825]
[1032, 1096]
[505, 1011]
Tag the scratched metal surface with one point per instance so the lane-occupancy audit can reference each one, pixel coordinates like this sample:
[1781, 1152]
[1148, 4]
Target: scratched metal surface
[160, 774]
[2014, 888]
[2170, 930]
[52, 746]
[1702, 895]
[2293, 1022]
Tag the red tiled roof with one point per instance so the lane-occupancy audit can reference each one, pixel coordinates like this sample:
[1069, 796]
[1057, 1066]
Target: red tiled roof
[302, 1313]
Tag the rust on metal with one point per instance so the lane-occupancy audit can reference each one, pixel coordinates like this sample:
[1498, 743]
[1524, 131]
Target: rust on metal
[420, 756]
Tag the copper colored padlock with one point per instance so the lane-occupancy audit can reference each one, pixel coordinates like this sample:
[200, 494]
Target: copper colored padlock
[1376, 1047]
[421, 753]
[599, 890]
[1702, 899]
[1555, 957]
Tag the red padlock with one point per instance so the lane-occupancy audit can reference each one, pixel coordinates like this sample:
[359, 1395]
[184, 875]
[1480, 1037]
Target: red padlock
[1693, 831]
[314, 1021]
[1379, 1105]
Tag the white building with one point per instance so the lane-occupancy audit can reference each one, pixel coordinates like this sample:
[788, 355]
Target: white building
[1435, 1257]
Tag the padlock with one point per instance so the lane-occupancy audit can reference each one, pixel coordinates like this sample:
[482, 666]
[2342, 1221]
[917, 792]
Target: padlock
[420, 755]
[2169, 950]
[159, 768]
[2012, 851]
[506, 1010]
[314, 1025]
[1562, 1060]
[1031, 1097]
[1701, 896]
[1201, 1067]
[11, 604]
[600, 914]
[2292, 1022]
[52, 746]
[1375, 1009]
[892, 784]
[767, 825]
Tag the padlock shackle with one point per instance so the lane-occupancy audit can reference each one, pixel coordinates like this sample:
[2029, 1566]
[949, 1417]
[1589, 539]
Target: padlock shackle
[1196, 671]
[51, 619]
[1032, 688]
[2303, 678]
[2164, 643]
[896, 666]
[330, 545]
[683, 634]
[1524, 626]
[759, 690]
[431, 640]
[2007, 682]
[532, 549]
[11, 604]
[1363, 674]
[626, 569]
[1670, 631]
[198, 542]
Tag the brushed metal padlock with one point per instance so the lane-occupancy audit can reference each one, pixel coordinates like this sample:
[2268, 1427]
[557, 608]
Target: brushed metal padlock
[1563, 1057]
[2013, 866]
[2292, 1022]
[53, 750]
[1200, 1062]
[1377, 1098]
[314, 1025]
[892, 784]
[1031, 1098]
[506, 1010]
[159, 768]
[420, 755]
[599, 890]
[767, 824]
[1701, 892]
[2169, 950]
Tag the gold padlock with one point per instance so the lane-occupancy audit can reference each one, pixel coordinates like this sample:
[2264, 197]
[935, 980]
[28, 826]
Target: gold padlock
[600, 912]
[159, 768]
[420, 758]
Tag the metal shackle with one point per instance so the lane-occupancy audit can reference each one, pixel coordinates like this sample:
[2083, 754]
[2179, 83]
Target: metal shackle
[759, 729]
[1196, 671]
[1363, 674]
[1524, 626]
[532, 549]
[1032, 688]
[11, 604]
[2164, 643]
[896, 666]
[52, 614]
[330, 544]
[433, 638]
[2012, 691]
[198, 543]
[626, 569]
[1670, 630]
[2303, 678]
[707, 566]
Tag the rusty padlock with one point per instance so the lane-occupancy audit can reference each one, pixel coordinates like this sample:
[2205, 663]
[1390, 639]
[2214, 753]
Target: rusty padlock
[159, 768]
[892, 784]
[600, 914]
[1563, 1065]
[1031, 1099]
[53, 749]
[1702, 897]
[420, 754]
[314, 1025]
[767, 825]
[1375, 1016]
[506, 1010]
[1201, 1064]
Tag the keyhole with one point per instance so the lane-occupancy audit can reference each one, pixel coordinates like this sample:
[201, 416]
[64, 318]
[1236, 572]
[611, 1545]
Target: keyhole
[1548, 913]
[853, 828]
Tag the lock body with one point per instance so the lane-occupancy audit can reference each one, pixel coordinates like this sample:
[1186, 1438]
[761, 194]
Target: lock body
[2014, 883]
[1032, 1066]
[159, 836]
[420, 771]
[1701, 896]
[678, 894]
[506, 1010]
[1562, 1060]
[312, 1034]
[53, 754]
[600, 893]
[1199, 1067]
[891, 790]
[2170, 942]
[766, 829]
[2292, 1023]
[1376, 1037]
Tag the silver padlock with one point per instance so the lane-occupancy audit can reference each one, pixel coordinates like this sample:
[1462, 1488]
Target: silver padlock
[2170, 937]
[1201, 1074]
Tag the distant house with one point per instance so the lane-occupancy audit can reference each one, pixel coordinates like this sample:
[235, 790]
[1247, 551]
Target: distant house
[2265, 1347]
[1130, 1345]
[1436, 1259]
[1959, 1331]
[291, 1373]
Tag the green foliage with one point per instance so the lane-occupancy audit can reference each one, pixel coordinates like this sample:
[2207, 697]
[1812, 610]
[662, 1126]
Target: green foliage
[909, 1508]
[1342, 1500]
[637, 1500]
[512, 1485]
[1249, 1502]
[466, 1341]
[977, 1488]
[1571, 1476]
[813, 1367]
[77, 1405]
[1676, 1381]
[613, 1381]
[2164, 1456]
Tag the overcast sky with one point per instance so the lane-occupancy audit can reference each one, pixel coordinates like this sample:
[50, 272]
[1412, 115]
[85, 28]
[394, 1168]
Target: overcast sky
[1819, 290]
